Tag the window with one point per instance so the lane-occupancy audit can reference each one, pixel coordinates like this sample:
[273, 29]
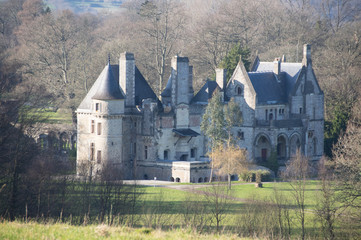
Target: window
[300, 110]
[240, 135]
[271, 116]
[99, 156]
[99, 129]
[239, 91]
[146, 152]
[193, 152]
[92, 151]
[97, 107]
[266, 114]
[281, 111]
[92, 126]
[166, 154]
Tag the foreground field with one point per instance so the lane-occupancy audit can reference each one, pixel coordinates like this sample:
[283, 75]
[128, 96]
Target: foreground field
[17, 230]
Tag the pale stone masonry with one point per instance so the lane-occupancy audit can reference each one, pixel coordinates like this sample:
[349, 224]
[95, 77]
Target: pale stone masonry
[123, 125]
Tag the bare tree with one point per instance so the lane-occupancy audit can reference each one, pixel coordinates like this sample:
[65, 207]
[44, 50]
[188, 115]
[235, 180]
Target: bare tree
[328, 207]
[162, 26]
[297, 173]
[218, 199]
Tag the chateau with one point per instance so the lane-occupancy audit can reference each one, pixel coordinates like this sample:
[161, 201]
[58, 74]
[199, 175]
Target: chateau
[122, 124]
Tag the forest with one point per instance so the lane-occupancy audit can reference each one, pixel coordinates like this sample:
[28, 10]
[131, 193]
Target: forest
[49, 60]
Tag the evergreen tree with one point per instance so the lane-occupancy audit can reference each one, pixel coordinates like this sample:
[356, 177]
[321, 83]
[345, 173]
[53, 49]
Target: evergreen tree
[237, 53]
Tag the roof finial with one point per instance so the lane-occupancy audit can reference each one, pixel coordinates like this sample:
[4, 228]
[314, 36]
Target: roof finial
[109, 58]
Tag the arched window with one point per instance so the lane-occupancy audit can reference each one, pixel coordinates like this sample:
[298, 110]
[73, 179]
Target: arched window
[239, 90]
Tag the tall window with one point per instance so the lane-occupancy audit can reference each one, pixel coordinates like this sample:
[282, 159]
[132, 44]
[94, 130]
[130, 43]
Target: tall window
[300, 110]
[145, 152]
[166, 154]
[99, 156]
[240, 135]
[266, 114]
[99, 129]
[239, 90]
[92, 152]
[193, 152]
[92, 126]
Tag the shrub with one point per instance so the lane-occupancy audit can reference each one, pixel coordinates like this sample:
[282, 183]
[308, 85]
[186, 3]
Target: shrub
[256, 176]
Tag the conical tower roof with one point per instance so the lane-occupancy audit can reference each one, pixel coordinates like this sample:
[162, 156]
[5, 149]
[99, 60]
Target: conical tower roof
[109, 88]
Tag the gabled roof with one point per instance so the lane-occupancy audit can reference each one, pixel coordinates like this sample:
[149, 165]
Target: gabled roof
[108, 87]
[206, 92]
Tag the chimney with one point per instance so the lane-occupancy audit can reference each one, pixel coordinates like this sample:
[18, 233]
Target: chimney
[221, 78]
[306, 55]
[190, 83]
[180, 80]
[127, 77]
[283, 58]
[277, 66]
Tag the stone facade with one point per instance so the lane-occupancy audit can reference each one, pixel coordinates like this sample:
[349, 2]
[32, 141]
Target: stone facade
[132, 131]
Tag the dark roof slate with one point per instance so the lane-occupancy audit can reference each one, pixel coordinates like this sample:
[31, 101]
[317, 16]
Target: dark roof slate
[185, 132]
[267, 87]
[272, 89]
[108, 87]
[206, 92]
[142, 88]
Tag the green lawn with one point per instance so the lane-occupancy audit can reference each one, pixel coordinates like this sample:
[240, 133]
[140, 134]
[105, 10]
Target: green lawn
[169, 205]
[61, 116]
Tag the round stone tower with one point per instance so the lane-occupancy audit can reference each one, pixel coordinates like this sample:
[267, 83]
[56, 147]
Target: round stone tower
[106, 126]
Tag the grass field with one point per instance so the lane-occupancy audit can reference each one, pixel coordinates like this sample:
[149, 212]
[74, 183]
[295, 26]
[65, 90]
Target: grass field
[17, 230]
[61, 116]
[168, 206]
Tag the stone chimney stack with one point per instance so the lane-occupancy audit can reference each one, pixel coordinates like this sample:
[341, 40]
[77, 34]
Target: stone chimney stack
[306, 55]
[283, 58]
[127, 77]
[277, 66]
[190, 84]
[221, 79]
[180, 80]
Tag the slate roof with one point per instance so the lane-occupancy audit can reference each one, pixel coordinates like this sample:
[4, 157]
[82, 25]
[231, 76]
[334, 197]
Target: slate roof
[142, 88]
[272, 89]
[108, 88]
[185, 132]
[206, 92]
[267, 87]
[167, 92]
